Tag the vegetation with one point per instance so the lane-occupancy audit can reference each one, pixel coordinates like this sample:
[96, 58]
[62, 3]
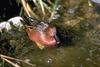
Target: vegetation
[73, 27]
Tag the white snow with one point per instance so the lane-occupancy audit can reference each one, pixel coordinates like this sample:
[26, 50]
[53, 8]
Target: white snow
[16, 21]
[5, 25]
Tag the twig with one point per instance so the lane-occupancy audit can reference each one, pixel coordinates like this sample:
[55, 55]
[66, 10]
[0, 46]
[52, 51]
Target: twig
[53, 10]
[28, 9]
[25, 8]
[42, 7]
[37, 5]
[15, 65]
[31, 12]
[7, 57]
[49, 2]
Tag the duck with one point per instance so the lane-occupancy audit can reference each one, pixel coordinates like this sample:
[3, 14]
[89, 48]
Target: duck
[42, 38]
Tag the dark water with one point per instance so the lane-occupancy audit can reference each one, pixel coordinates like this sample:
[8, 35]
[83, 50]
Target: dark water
[8, 9]
[84, 52]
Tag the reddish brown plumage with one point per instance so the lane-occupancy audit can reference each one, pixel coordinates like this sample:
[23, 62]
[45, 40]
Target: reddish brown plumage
[47, 38]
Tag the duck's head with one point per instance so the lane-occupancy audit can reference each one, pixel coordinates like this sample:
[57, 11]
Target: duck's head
[47, 37]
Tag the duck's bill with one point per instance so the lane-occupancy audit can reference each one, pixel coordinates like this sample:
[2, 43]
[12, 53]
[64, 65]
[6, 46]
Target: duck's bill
[57, 39]
[41, 46]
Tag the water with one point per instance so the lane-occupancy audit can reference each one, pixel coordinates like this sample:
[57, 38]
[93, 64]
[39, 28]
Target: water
[81, 46]
[83, 52]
